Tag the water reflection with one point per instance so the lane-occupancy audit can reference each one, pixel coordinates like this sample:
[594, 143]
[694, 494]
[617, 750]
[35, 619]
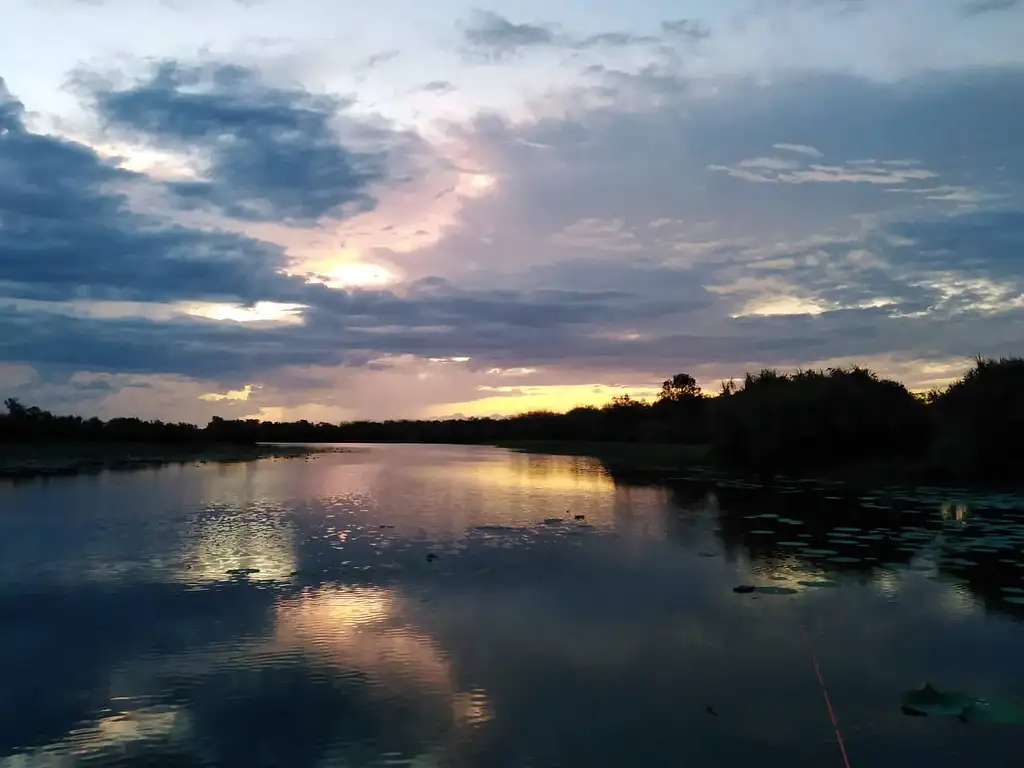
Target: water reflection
[409, 605]
[255, 540]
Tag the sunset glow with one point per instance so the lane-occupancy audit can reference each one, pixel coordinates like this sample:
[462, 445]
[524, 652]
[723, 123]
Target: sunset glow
[563, 200]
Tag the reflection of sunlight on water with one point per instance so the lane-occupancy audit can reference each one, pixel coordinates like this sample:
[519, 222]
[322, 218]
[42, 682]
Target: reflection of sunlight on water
[954, 600]
[515, 472]
[112, 733]
[951, 512]
[512, 489]
[958, 600]
[886, 582]
[472, 707]
[354, 628]
[346, 475]
[231, 539]
[359, 629]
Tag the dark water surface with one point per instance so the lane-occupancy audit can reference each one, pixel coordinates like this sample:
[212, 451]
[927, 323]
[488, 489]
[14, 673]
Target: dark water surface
[286, 613]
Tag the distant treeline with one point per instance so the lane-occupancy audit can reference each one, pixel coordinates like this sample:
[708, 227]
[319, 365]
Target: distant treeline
[768, 422]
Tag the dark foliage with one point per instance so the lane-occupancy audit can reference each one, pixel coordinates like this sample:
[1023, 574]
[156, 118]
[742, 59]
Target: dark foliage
[770, 421]
[813, 419]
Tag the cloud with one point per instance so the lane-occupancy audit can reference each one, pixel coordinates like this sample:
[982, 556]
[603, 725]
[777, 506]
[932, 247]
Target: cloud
[827, 265]
[494, 36]
[981, 7]
[66, 234]
[687, 28]
[438, 86]
[264, 152]
[649, 219]
[802, 149]
[777, 170]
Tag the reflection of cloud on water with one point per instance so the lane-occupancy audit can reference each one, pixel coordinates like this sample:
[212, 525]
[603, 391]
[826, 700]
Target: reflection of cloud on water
[362, 629]
[323, 653]
[107, 735]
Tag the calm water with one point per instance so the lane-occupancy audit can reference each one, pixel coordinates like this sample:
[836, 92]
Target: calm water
[286, 613]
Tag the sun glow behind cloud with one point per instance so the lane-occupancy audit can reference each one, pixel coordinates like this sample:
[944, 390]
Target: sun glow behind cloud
[510, 400]
[260, 312]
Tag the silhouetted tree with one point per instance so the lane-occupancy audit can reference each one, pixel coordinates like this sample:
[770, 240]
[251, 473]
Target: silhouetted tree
[770, 421]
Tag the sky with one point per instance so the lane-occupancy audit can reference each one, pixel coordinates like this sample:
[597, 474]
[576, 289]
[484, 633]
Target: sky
[335, 210]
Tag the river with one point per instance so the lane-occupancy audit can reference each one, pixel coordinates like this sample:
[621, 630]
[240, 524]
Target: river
[429, 606]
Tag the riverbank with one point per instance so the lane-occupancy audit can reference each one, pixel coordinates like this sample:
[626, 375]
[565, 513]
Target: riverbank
[23, 461]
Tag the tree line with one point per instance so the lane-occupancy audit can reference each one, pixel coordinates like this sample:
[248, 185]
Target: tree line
[770, 421]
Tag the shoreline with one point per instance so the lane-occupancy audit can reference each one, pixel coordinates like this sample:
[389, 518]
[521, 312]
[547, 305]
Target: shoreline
[655, 460]
[28, 461]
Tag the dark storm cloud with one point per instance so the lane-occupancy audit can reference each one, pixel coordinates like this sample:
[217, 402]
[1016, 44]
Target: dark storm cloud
[271, 153]
[64, 234]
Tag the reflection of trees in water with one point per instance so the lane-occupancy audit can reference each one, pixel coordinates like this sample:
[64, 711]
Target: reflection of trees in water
[990, 573]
